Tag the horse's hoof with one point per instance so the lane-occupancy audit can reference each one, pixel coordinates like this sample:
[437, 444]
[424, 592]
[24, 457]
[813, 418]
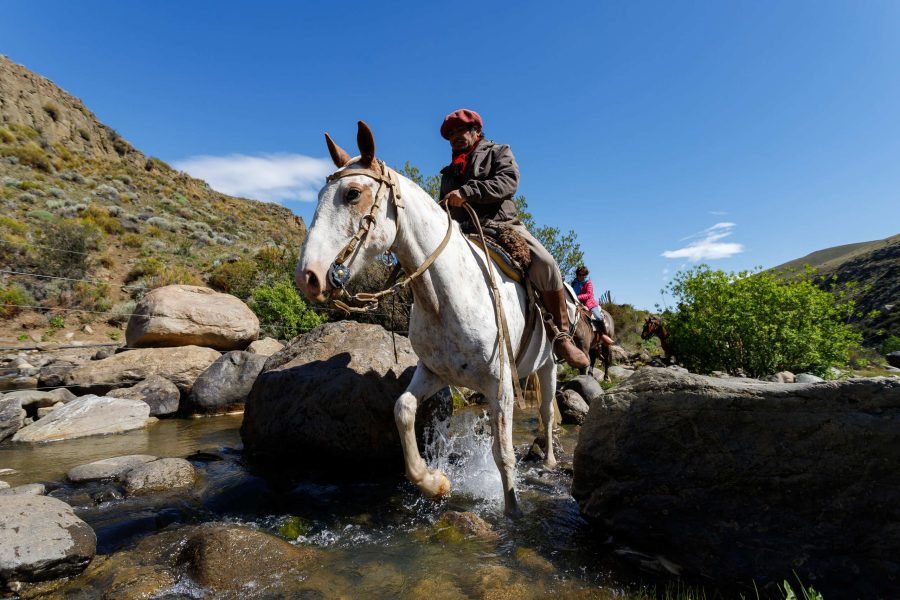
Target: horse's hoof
[550, 464]
[435, 484]
[511, 506]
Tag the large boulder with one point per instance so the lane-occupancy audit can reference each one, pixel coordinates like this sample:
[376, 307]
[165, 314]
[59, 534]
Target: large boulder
[327, 401]
[85, 416]
[225, 385]
[181, 366]
[190, 315]
[41, 538]
[740, 480]
[160, 394]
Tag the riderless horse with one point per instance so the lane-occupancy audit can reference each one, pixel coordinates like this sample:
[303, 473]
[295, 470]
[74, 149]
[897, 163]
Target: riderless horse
[366, 209]
[654, 326]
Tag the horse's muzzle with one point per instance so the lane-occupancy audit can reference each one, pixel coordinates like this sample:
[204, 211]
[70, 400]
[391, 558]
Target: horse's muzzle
[310, 285]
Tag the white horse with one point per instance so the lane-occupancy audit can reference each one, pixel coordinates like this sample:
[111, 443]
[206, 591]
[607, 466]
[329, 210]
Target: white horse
[452, 327]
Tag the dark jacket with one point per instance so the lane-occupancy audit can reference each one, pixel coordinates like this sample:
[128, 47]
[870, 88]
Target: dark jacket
[489, 182]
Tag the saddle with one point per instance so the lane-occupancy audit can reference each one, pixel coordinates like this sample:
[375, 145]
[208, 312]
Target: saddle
[507, 249]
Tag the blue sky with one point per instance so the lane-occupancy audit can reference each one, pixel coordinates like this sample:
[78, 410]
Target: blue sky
[664, 133]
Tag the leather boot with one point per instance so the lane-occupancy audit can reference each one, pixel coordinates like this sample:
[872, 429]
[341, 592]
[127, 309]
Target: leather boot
[555, 303]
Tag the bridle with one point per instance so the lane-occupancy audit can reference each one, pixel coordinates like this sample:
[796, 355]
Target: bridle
[339, 274]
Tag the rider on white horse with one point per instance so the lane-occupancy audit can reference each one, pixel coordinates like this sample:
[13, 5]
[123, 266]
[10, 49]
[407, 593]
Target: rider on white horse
[485, 175]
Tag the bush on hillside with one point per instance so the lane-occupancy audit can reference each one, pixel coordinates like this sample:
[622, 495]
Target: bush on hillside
[13, 297]
[282, 313]
[238, 278]
[65, 249]
[760, 323]
[891, 344]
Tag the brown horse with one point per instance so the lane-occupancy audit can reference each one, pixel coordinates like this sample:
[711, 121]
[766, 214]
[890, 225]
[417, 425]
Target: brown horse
[654, 326]
[589, 341]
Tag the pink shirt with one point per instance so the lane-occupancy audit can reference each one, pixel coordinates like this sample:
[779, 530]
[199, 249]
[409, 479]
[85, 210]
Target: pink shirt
[585, 293]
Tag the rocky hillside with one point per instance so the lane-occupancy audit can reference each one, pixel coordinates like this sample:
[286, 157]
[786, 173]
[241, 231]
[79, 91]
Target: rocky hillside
[874, 268]
[89, 223]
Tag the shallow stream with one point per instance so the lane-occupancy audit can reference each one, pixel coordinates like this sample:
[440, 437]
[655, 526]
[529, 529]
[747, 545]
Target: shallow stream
[378, 537]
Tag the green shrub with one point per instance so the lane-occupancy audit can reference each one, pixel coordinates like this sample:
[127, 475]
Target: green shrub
[41, 215]
[65, 248]
[174, 274]
[891, 344]
[276, 262]
[238, 278]
[146, 267]
[52, 109]
[91, 296]
[282, 313]
[132, 240]
[101, 217]
[12, 298]
[760, 323]
[12, 225]
[120, 313]
[6, 136]
[30, 154]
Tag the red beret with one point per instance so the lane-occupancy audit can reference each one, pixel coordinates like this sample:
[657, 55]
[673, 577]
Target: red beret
[463, 116]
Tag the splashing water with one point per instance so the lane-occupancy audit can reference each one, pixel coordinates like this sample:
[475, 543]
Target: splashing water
[461, 448]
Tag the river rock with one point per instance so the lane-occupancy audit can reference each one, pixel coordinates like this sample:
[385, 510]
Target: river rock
[808, 378]
[572, 407]
[160, 394]
[585, 386]
[12, 416]
[327, 401]
[739, 480]
[225, 385]
[158, 476]
[41, 538]
[893, 358]
[28, 489]
[620, 373]
[107, 468]
[88, 415]
[189, 315]
[226, 558]
[180, 365]
[266, 346]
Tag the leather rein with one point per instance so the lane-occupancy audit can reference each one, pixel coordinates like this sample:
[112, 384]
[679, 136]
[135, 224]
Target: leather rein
[339, 274]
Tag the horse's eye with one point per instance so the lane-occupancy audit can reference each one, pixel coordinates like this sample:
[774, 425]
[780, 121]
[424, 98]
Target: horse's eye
[352, 195]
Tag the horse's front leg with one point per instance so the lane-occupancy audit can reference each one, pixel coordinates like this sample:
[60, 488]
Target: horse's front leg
[504, 456]
[547, 377]
[424, 384]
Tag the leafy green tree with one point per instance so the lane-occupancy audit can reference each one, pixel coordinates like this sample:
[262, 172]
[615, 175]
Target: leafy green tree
[431, 183]
[563, 247]
[758, 322]
[281, 311]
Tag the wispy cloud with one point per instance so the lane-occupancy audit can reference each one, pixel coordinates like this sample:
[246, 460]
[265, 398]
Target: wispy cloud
[270, 177]
[707, 244]
[717, 213]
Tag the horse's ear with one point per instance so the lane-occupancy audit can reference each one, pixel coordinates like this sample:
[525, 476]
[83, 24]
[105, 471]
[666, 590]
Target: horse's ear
[366, 142]
[338, 155]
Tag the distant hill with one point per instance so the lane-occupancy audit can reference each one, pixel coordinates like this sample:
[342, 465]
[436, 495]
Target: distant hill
[875, 268]
[97, 222]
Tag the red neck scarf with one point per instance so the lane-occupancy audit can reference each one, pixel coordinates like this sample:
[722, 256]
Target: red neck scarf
[461, 160]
